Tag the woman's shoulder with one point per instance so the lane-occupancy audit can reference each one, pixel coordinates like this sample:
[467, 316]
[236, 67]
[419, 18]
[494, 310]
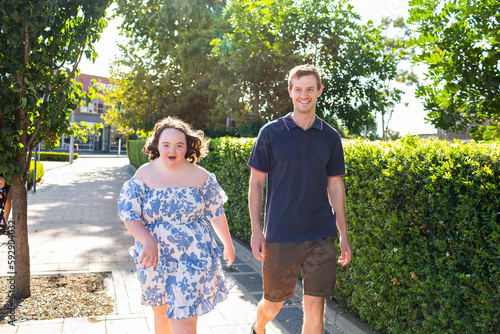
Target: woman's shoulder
[199, 174]
[143, 171]
[200, 170]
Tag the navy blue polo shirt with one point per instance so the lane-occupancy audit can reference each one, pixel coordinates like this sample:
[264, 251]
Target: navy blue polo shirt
[298, 164]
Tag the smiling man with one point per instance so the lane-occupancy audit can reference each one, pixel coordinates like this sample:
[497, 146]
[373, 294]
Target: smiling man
[302, 159]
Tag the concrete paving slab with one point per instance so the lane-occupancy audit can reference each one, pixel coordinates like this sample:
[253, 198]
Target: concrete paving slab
[212, 319]
[8, 329]
[41, 327]
[127, 326]
[83, 326]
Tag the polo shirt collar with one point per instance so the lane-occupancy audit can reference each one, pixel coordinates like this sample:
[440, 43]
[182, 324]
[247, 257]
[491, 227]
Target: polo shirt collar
[290, 124]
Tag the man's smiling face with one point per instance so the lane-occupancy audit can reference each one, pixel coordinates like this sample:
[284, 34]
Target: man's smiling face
[304, 93]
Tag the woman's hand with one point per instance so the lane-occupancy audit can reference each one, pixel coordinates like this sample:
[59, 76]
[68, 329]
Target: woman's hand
[222, 231]
[149, 255]
[229, 255]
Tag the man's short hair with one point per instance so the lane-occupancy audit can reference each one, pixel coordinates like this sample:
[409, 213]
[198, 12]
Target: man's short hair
[303, 70]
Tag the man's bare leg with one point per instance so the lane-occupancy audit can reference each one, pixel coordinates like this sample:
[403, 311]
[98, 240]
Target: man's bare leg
[314, 313]
[266, 311]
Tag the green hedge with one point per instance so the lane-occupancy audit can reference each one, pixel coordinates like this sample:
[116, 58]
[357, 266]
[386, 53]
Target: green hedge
[228, 159]
[425, 231]
[134, 152]
[40, 172]
[56, 156]
[424, 220]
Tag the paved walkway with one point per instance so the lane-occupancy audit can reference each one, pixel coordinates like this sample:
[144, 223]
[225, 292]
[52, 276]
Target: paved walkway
[73, 228]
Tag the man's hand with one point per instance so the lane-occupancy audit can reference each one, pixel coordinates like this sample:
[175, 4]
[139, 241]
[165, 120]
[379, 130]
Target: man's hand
[258, 243]
[345, 249]
[255, 195]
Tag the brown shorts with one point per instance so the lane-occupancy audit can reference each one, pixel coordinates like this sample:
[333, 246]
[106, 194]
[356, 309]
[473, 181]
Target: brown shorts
[316, 259]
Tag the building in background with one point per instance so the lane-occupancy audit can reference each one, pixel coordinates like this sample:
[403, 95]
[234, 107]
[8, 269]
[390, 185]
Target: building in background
[109, 138]
[450, 135]
[465, 135]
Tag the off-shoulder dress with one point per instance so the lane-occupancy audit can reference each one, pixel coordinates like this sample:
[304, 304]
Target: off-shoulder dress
[189, 276]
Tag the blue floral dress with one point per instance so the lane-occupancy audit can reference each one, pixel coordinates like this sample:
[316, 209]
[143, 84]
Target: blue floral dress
[189, 275]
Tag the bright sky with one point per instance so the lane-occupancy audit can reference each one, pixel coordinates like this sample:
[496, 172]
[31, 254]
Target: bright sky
[404, 119]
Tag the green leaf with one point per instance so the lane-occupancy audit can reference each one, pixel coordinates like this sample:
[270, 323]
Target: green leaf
[24, 101]
[447, 39]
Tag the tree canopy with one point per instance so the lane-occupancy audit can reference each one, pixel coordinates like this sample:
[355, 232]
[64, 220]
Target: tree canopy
[167, 68]
[41, 44]
[270, 37]
[459, 41]
[206, 61]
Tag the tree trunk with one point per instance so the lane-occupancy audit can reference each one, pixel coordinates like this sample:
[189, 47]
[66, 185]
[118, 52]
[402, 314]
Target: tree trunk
[22, 250]
[383, 128]
[20, 195]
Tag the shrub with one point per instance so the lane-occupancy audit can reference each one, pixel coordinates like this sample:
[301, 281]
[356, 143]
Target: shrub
[228, 159]
[40, 172]
[425, 232]
[56, 156]
[134, 152]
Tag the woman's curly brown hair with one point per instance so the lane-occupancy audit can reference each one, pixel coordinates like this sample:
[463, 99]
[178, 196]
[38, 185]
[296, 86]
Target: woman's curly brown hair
[197, 145]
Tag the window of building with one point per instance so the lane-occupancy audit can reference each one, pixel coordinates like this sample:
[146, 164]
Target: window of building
[102, 86]
[95, 107]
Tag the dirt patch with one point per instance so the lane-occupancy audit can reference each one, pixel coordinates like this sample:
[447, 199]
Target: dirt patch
[58, 296]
